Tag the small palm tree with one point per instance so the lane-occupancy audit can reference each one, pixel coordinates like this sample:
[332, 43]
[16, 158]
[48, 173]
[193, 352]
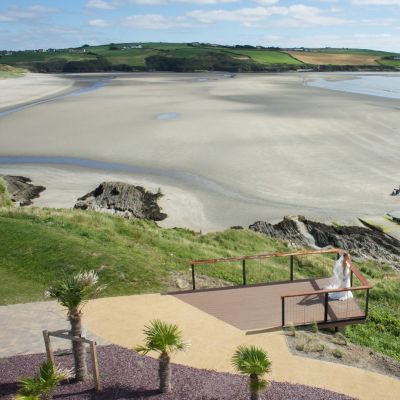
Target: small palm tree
[252, 361]
[41, 387]
[73, 293]
[165, 339]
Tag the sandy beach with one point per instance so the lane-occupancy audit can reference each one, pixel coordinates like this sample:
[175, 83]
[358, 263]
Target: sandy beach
[30, 87]
[225, 151]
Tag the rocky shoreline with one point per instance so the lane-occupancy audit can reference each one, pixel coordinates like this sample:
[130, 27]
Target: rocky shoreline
[122, 199]
[130, 201]
[21, 189]
[361, 242]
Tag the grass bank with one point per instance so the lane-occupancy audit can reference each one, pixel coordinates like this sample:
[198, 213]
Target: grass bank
[37, 246]
[7, 71]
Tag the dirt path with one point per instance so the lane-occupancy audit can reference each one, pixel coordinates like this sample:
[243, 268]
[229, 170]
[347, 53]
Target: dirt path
[120, 320]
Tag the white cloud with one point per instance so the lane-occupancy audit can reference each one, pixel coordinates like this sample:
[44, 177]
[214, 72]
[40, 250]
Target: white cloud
[98, 23]
[293, 16]
[100, 4]
[376, 2]
[380, 41]
[20, 14]
[266, 2]
[203, 2]
[243, 15]
[155, 21]
[301, 15]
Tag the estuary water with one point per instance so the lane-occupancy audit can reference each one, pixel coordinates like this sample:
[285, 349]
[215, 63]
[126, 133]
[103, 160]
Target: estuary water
[382, 85]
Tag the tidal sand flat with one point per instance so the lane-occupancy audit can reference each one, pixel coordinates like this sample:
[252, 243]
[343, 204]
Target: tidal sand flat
[252, 147]
[30, 87]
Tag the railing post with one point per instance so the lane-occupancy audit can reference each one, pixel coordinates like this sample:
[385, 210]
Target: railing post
[193, 278]
[366, 303]
[291, 267]
[283, 311]
[49, 348]
[244, 271]
[326, 307]
[351, 278]
[95, 365]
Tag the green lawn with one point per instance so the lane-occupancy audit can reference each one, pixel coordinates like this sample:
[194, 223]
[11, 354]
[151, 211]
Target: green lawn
[132, 57]
[38, 246]
[268, 56]
[390, 63]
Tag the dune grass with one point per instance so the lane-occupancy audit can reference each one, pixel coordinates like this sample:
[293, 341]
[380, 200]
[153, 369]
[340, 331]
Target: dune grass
[5, 198]
[7, 71]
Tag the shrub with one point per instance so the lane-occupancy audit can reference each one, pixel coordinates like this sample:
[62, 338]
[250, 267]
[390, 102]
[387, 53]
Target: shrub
[340, 339]
[291, 330]
[300, 346]
[314, 327]
[337, 353]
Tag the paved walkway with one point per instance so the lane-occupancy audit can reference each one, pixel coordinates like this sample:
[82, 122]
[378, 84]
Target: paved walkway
[120, 320]
[21, 327]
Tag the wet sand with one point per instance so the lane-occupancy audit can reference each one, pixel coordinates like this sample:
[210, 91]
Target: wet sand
[253, 147]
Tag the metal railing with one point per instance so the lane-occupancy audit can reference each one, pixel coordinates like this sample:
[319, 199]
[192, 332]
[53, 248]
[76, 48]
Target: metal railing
[244, 259]
[305, 307]
[324, 307]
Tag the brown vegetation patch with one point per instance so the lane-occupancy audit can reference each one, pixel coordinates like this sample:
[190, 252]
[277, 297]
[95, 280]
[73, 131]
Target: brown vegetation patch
[335, 348]
[333, 59]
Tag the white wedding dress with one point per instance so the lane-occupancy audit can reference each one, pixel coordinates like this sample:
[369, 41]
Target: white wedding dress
[340, 280]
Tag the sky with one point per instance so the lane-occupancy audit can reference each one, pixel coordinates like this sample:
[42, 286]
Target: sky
[373, 24]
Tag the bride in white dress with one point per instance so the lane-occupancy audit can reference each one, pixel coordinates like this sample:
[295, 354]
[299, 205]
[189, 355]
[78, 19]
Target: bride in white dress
[341, 279]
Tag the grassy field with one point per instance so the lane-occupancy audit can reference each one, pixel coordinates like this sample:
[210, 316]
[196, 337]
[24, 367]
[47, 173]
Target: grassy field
[323, 58]
[269, 57]
[390, 63]
[117, 55]
[38, 246]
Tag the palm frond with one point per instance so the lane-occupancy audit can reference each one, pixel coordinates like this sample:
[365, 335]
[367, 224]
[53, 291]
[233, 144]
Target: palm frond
[141, 349]
[49, 377]
[249, 360]
[162, 337]
[73, 292]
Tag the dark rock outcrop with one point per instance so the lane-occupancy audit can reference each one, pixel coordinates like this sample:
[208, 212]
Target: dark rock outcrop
[123, 199]
[21, 190]
[359, 241]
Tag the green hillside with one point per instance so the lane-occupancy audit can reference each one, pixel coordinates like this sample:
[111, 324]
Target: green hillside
[187, 57]
[37, 246]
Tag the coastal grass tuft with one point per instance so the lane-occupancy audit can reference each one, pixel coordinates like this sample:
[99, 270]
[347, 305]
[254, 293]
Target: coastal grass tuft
[5, 197]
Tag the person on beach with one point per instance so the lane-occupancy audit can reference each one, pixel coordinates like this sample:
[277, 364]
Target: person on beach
[341, 278]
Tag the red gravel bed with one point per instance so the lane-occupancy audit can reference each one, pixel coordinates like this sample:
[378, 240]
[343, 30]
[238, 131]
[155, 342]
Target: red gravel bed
[127, 375]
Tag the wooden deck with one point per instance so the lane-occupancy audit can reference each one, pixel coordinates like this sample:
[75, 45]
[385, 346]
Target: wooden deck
[259, 307]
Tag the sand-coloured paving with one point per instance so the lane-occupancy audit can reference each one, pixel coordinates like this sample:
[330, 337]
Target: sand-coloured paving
[120, 320]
